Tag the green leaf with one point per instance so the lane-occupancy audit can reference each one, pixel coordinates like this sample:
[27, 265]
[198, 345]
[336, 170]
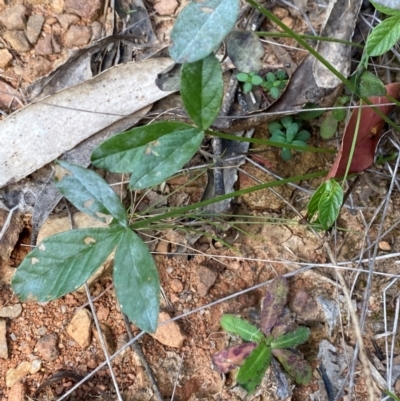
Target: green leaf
[286, 154]
[328, 127]
[291, 132]
[63, 262]
[242, 77]
[312, 207]
[247, 87]
[253, 370]
[90, 193]
[152, 153]
[371, 85]
[296, 142]
[339, 114]
[201, 27]
[275, 93]
[241, 327]
[287, 121]
[303, 136]
[292, 339]
[271, 77]
[383, 37]
[294, 364]
[202, 89]
[256, 80]
[330, 204]
[389, 7]
[136, 282]
[281, 74]
[274, 125]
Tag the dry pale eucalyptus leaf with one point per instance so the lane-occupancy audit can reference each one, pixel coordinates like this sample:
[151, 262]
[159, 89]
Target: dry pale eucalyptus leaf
[41, 132]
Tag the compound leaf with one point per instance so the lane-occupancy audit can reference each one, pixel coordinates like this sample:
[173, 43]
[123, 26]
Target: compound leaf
[294, 364]
[233, 357]
[63, 262]
[90, 193]
[151, 153]
[253, 370]
[383, 37]
[273, 303]
[241, 327]
[201, 27]
[136, 281]
[202, 89]
[292, 339]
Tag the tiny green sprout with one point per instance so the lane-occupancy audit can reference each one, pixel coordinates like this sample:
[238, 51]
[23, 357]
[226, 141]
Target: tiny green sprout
[249, 79]
[287, 131]
[262, 343]
[274, 83]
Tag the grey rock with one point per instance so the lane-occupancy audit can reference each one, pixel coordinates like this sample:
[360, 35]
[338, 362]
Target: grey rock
[11, 311]
[34, 27]
[66, 20]
[14, 18]
[3, 340]
[47, 347]
[47, 46]
[89, 9]
[17, 40]
[78, 36]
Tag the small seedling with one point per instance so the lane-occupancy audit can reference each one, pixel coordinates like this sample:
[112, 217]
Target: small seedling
[274, 83]
[273, 338]
[287, 131]
[250, 79]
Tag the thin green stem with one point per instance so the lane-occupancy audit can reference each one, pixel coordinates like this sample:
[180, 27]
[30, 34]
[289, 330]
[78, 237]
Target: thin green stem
[182, 210]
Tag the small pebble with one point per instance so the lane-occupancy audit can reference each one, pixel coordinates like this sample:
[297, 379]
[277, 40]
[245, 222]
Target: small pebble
[384, 246]
[176, 285]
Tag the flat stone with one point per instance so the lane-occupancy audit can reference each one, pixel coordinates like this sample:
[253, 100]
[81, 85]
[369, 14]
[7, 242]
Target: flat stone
[66, 20]
[36, 365]
[88, 9]
[17, 392]
[80, 328]
[17, 40]
[5, 58]
[34, 27]
[169, 334]
[14, 18]
[77, 36]
[3, 340]
[108, 337]
[47, 347]
[8, 98]
[15, 375]
[97, 30]
[47, 46]
[204, 280]
[11, 311]
[57, 6]
[37, 68]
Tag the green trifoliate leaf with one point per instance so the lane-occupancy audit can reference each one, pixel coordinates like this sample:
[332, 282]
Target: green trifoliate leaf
[136, 281]
[242, 328]
[202, 90]
[152, 153]
[63, 262]
[201, 27]
[90, 193]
